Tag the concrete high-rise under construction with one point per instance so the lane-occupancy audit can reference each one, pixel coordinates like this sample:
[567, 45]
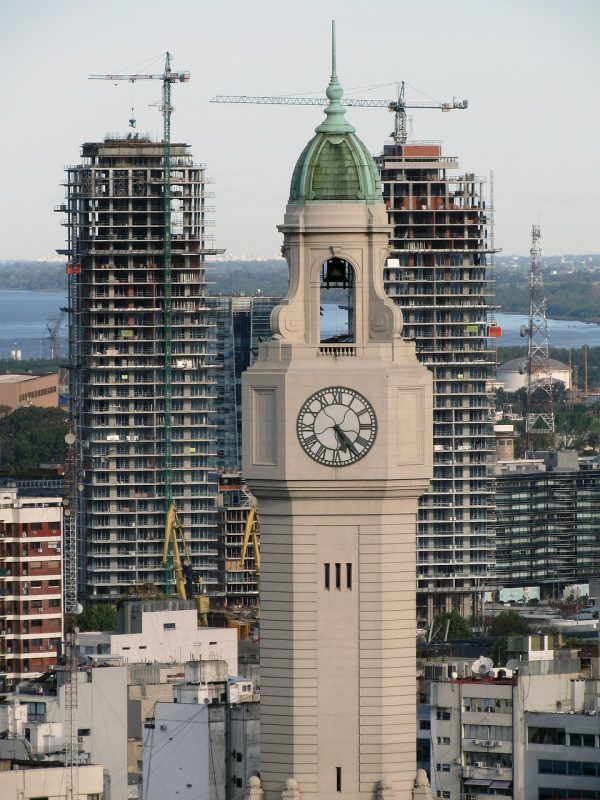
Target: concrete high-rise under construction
[439, 273]
[140, 355]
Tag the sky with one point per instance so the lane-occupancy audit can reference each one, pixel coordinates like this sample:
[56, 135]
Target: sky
[530, 70]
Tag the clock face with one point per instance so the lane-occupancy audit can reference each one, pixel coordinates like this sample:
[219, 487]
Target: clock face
[336, 426]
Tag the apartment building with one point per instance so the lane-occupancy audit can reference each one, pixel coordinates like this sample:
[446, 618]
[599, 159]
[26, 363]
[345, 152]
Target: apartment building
[528, 731]
[439, 273]
[31, 612]
[140, 356]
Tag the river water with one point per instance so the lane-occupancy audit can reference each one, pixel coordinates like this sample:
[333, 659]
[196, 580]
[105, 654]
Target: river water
[25, 319]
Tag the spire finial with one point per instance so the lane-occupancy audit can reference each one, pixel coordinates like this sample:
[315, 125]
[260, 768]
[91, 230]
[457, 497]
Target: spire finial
[333, 53]
[335, 111]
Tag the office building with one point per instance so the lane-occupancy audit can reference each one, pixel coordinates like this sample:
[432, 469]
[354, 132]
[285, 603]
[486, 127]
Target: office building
[241, 323]
[439, 274]
[31, 618]
[140, 356]
[547, 523]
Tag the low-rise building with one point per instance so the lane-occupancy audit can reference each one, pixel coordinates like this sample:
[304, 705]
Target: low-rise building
[31, 618]
[28, 781]
[162, 631]
[17, 391]
[32, 724]
[527, 731]
[205, 742]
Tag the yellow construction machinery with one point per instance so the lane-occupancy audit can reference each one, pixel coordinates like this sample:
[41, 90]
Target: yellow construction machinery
[179, 572]
[252, 534]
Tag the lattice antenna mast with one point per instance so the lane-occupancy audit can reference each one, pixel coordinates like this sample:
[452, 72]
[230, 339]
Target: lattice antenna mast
[168, 78]
[540, 408]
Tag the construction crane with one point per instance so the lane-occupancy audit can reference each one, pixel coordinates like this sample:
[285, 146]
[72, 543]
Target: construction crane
[53, 328]
[179, 572]
[398, 106]
[168, 77]
[251, 534]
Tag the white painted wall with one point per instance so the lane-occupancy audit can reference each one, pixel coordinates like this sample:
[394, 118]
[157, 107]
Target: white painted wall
[161, 642]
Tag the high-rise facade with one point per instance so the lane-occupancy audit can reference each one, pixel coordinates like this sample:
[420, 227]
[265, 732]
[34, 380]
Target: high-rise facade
[439, 273]
[31, 618]
[140, 347]
[240, 323]
[547, 522]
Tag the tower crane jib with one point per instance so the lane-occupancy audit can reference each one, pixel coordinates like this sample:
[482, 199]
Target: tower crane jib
[398, 106]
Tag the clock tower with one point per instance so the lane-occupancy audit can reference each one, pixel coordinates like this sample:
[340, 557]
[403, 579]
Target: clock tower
[337, 450]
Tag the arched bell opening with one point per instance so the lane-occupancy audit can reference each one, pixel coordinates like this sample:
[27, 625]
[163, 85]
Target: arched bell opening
[337, 301]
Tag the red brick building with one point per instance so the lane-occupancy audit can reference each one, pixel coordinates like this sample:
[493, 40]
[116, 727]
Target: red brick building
[31, 618]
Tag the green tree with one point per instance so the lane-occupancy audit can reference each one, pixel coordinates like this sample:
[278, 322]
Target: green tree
[457, 627]
[30, 437]
[101, 617]
[508, 623]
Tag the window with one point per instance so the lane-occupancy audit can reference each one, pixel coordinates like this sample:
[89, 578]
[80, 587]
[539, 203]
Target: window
[537, 735]
[349, 576]
[338, 576]
[443, 713]
[338, 779]
[84, 732]
[424, 725]
[327, 576]
[169, 626]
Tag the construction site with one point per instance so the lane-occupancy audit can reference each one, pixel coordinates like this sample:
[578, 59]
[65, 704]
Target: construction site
[440, 274]
[141, 387]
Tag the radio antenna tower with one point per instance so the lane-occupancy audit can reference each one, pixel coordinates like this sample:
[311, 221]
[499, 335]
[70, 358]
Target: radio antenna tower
[539, 417]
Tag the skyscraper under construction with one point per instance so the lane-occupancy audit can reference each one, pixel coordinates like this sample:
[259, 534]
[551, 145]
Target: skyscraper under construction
[140, 357]
[440, 274]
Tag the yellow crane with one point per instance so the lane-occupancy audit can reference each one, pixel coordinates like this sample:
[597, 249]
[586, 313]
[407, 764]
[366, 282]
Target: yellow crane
[251, 534]
[179, 572]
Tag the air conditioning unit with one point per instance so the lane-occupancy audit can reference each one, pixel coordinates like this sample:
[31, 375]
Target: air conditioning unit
[497, 743]
[498, 768]
[476, 741]
[478, 764]
[489, 743]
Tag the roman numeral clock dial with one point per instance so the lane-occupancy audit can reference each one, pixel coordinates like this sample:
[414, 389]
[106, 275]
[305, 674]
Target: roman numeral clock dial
[336, 426]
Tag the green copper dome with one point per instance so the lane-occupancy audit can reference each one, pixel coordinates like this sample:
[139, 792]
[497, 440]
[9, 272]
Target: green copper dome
[335, 164]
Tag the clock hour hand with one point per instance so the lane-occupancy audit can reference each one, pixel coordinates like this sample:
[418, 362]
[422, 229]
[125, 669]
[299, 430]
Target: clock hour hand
[344, 442]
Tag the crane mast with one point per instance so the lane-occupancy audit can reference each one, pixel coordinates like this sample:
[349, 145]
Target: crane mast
[168, 77]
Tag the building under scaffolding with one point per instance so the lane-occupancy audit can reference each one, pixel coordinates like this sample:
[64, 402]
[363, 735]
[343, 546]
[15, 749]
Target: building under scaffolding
[439, 274]
[121, 332]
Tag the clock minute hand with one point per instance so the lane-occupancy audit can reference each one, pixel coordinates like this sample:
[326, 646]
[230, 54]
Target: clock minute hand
[345, 442]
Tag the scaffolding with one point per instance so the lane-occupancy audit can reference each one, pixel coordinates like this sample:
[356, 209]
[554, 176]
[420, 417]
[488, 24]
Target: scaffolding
[140, 336]
[439, 274]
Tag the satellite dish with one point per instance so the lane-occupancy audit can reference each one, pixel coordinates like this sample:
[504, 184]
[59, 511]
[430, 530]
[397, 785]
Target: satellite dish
[513, 663]
[454, 675]
[482, 666]
[70, 438]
